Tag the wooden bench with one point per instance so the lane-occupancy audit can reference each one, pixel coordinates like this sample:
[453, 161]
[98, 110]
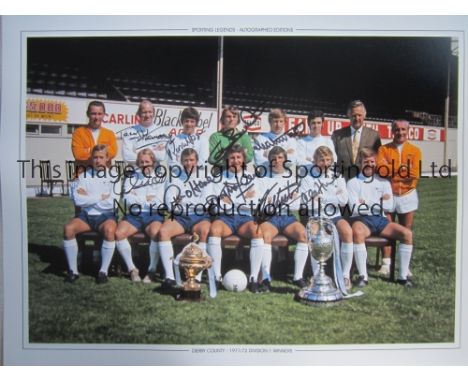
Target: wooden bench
[237, 244]
[380, 243]
[240, 246]
[92, 240]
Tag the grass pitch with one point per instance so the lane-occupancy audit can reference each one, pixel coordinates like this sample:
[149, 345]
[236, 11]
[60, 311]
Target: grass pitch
[123, 313]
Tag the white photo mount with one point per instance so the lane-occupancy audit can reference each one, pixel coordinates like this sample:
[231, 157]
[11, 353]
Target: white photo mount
[18, 350]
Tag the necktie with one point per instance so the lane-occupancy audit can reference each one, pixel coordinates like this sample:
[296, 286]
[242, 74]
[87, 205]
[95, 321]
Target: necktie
[355, 145]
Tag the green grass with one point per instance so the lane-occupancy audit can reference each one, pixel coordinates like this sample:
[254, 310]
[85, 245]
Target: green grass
[123, 313]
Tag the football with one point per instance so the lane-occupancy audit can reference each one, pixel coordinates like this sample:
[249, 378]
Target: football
[235, 280]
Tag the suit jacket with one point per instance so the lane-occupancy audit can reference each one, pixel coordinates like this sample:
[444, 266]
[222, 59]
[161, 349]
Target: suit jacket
[344, 149]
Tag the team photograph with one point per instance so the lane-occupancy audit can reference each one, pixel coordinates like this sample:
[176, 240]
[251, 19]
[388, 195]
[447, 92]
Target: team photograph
[241, 190]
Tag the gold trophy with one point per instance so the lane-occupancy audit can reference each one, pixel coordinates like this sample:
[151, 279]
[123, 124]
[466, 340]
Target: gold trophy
[192, 260]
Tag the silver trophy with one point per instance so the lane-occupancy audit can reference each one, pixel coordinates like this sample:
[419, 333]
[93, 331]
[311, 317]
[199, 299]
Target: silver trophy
[320, 240]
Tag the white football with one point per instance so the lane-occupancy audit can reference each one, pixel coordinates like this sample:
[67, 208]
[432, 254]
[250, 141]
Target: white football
[235, 280]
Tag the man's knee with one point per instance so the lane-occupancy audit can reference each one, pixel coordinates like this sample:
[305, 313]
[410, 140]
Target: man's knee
[346, 234]
[155, 233]
[120, 234]
[68, 231]
[254, 231]
[302, 237]
[407, 236]
[164, 234]
[215, 230]
[268, 236]
[359, 234]
[203, 231]
[108, 231]
[299, 235]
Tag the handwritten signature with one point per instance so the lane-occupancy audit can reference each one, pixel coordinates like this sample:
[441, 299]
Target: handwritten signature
[269, 144]
[253, 115]
[284, 196]
[243, 185]
[198, 185]
[219, 151]
[294, 131]
[146, 136]
[174, 150]
[128, 131]
[309, 195]
[136, 182]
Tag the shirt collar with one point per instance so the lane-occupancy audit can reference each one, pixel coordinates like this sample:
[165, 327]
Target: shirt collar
[353, 130]
[229, 132]
[142, 129]
[271, 135]
[229, 175]
[183, 176]
[363, 177]
[272, 174]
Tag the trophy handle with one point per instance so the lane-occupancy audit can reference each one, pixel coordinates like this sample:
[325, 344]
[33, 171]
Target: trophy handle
[208, 262]
[328, 225]
[309, 233]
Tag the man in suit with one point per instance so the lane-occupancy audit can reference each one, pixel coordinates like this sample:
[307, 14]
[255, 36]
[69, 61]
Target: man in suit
[350, 140]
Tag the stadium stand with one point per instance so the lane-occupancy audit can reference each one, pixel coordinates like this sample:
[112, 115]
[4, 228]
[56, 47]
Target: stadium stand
[63, 81]
[71, 82]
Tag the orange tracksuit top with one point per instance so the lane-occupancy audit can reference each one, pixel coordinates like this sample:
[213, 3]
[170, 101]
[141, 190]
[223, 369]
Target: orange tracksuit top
[83, 142]
[389, 163]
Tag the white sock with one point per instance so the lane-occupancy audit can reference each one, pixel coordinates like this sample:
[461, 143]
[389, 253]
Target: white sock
[167, 256]
[386, 261]
[153, 255]
[202, 246]
[256, 255]
[71, 252]
[300, 258]
[107, 251]
[214, 250]
[266, 262]
[125, 250]
[404, 257]
[346, 255]
[360, 256]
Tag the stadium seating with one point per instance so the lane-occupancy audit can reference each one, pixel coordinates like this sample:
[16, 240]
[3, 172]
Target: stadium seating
[131, 87]
[61, 81]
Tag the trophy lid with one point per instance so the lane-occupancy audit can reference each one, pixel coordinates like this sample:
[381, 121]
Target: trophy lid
[192, 253]
[192, 250]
